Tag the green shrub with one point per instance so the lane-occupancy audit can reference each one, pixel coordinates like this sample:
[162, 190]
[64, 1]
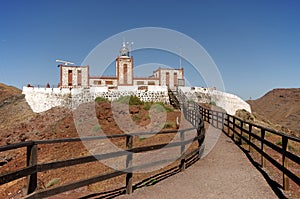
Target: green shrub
[213, 103]
[131, 100]
[161, 107]
[168, 125]
[96, 128]
[141, 138]
[278, 142]
[168, 109]
[136, 117]
[101, 99]
[134, 100]
[290, 147]
[52, 182]
[150, 182]
[158, 107]
[191, 101]
[123, 99]
[147, 106]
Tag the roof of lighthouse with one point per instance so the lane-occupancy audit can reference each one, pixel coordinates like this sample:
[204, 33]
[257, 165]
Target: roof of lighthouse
[124, 51]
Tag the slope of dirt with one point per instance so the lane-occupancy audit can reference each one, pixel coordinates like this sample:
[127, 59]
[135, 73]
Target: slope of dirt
[8, 91]
[13, 108]
[279, 106]
[19, 124]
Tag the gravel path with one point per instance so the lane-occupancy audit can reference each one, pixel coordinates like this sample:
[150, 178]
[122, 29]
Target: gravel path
[225, 172]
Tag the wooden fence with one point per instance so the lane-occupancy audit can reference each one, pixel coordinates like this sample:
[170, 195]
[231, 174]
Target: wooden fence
[238, 129]
[32, 167]
[253, 135]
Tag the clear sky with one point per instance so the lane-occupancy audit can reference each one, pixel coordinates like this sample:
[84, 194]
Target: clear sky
[255, 44]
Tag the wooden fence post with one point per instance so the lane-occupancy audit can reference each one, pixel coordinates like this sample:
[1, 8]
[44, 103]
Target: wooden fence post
[233, 127]
[217, 119]
[241, 135]
[223, 118]
[200, 135]
[250, 131]
[285, 179]
[207, 115]
[129, 142]
[182, 149]
[200, 112]
[184, 110]
[262, 148]
[228, 124]
[213, 118]
[197, 115]
[31, 160]
[193, 116]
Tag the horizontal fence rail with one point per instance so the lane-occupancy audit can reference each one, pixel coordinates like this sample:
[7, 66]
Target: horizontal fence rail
[240, 131]
[253, 134]
[249, 133]
[33, 168]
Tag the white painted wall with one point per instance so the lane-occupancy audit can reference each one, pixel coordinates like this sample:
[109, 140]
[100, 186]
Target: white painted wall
[229, 102]
[43, 99]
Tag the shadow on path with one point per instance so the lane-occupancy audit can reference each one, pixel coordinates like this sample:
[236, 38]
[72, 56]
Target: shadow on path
[152, 180]
[275, 186]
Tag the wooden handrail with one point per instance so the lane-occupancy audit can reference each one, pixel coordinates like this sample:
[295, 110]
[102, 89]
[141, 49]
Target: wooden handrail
[33, 168]
[239, 130]
[193, 112]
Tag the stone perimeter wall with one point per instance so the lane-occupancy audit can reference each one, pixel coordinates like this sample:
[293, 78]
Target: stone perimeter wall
[43, 99]
[229, 102]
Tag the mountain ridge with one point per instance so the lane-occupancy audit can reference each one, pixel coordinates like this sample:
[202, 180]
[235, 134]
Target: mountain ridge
[279, 106]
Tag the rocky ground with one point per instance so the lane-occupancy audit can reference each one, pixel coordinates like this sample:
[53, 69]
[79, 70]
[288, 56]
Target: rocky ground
[18, 123]
[281, 108]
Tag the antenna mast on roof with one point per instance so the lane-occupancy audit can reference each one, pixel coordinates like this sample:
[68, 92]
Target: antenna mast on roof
[64, 62]
[129, 44]
[180, 66]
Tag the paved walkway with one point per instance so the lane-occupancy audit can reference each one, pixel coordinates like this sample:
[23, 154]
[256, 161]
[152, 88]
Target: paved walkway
[223, 172]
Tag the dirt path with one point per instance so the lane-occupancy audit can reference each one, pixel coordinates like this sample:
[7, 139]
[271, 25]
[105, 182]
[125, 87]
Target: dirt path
[225, 172]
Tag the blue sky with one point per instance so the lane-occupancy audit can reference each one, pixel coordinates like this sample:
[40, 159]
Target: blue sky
[255, 44]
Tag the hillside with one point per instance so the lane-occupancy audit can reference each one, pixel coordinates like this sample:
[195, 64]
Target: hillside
[8, 91]
[18, 123]
[279, 106]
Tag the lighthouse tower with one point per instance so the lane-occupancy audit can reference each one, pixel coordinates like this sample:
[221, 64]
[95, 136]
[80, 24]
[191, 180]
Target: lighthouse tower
[124, 67]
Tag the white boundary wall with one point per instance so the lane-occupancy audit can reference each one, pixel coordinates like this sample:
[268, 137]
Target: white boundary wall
[43, 99]
[229, 102]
